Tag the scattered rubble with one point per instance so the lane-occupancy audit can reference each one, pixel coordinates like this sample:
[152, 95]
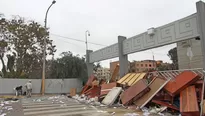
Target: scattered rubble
[165, 93]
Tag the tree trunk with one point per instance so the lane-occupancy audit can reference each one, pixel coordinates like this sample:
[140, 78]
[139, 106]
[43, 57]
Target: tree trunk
[4, 66]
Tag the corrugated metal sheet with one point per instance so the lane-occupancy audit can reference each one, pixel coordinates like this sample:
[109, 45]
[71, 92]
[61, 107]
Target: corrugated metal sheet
[156, 85]
[182, 81]
[134, 92]
[131, 78]
[188, 102]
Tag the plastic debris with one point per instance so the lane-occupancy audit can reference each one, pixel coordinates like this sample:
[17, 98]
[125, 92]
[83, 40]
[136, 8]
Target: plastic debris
[4, 114]
[131, 114]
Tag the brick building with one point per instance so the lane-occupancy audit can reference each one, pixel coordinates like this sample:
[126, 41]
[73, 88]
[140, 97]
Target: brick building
[143, 66]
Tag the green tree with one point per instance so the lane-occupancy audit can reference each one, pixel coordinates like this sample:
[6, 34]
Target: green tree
[173, 56]
[25, 40]
[68, 66]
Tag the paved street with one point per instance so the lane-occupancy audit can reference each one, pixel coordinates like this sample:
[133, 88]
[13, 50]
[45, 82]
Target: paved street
[56, 106]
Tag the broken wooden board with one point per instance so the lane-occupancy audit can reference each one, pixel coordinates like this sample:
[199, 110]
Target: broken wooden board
[203, 110]
[112, 96]
[73, 91]
[188, 102]
[106, 88]
[156, 85]
[131, 78]
[93, 92]
[165, 104]
[182, 81]
[134, 92]
[85, 88]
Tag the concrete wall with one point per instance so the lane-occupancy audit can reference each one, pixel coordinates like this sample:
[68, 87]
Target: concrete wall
[184, 61]
[52, 86]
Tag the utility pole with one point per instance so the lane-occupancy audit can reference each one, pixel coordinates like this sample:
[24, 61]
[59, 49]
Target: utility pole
[44, 53]
[87, 33]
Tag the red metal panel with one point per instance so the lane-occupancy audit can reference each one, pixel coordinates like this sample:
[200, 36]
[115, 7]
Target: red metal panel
[188, 102]
[134, 92]
[165, 104]
[105, 88]
[182, 81]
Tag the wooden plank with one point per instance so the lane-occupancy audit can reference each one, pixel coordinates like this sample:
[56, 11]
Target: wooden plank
[188, 102]
[123, 78]
[73, 91]
[134, 92]
[133, 79]
[182, 81]
[203, 107]
[128, 78]
[142, 75]
[156, 85]
[93, 92]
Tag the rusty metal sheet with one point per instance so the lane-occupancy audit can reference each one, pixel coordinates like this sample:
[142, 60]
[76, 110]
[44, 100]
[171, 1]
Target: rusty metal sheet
[156, 85]
[105, 88]
[134, 92]
[182, 81]
[165, 104]
[112, 96]
[123, 78]
[188, 101]
[141, 76]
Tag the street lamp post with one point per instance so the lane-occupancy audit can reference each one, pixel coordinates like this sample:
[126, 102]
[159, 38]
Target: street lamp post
[87, 33]
[44, 52]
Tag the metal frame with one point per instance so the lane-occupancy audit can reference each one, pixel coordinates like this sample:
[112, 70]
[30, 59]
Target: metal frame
[171, 74]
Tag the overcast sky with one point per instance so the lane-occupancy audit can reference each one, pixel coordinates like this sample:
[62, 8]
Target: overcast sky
[105, 19]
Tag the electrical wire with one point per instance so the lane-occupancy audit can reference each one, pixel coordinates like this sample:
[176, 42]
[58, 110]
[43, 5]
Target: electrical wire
[76, 39]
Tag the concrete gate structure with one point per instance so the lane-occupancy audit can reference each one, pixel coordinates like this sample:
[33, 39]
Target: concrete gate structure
[192, 26]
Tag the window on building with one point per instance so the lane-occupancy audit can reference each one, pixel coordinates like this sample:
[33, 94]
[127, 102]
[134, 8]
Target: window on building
[145, 65]
[150, 65]
[141, 65]
[137, 64]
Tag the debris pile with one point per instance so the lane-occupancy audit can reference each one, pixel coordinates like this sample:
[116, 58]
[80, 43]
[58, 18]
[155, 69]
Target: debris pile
[175, 92]
[6, 106]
